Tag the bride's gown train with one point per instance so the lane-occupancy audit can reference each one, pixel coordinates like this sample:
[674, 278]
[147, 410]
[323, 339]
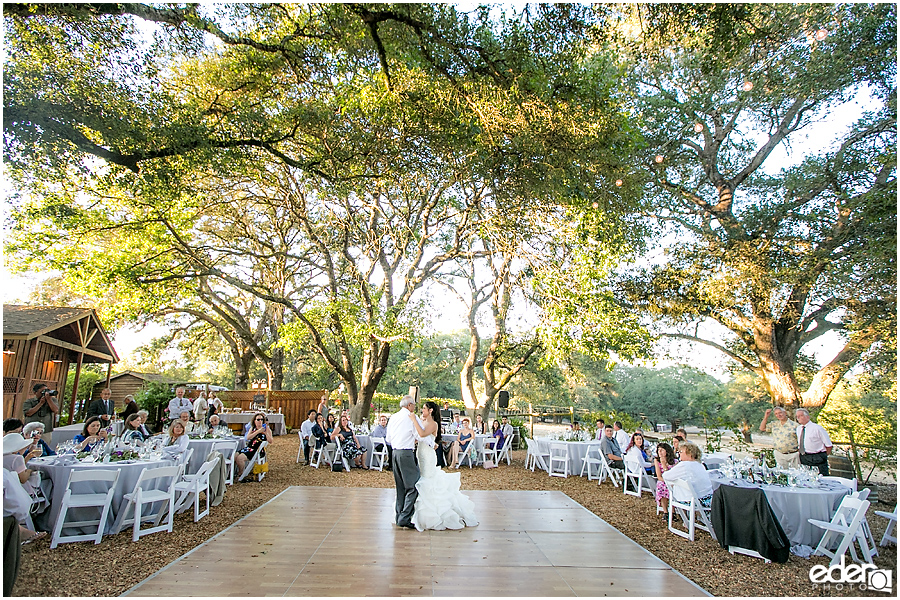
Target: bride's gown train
[440, 504]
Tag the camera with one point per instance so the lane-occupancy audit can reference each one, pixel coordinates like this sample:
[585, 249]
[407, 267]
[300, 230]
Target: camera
[47, 392]
[879, 580]
[34, 434]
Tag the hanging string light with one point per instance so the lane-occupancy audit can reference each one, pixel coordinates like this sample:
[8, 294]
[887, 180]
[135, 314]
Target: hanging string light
[698, 127]
[619, 183]
[748, 85]
[821, 34]
[596, 204]
[659, 158]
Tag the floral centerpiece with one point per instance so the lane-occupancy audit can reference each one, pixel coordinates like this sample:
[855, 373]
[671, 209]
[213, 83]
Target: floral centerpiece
[117, 455]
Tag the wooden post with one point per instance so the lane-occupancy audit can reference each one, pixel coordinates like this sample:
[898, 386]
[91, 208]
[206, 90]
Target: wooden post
[75, 388]
[29, 379]
[531, 416]
[856, 468]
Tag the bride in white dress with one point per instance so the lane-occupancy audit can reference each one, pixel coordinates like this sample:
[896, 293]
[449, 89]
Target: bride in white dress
[440, 505]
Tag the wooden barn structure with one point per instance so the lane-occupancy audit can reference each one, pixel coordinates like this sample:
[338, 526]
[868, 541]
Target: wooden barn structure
[128, 382]
[39, 345]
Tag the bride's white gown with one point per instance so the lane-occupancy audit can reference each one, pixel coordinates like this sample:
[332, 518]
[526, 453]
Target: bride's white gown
[440, 504]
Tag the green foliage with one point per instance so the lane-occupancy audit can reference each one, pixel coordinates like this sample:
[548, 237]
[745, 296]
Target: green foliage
[154, 395]
[667, 394]
[90, 375]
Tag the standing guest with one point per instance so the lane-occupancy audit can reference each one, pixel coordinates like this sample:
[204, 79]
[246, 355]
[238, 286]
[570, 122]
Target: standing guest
[177, 442]
[323, 406]
[306, 433]
[480, 425]
[690, 469]
[380, 431]
[12, 425]
[662, 462]
[609, 447]
[179, 404]
[784, 437]
[350, 446]
[622, 437]
[497, 433]
[34, 431]
[601, 425]
[215, 405]
[635, 451]
[460, 447]
[401, 436]
[201, 407]
[145, 431]
[132, 432]
[813, 442]
[103, 407]
[90, 435]
[131, 407]
[259, 433]
[42, 407]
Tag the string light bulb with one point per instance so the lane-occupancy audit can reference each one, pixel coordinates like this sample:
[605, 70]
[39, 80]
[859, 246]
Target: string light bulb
[748, 85]
[659, 158]
[821, 34]
[698, 127]
[619, 183]
[596, 205]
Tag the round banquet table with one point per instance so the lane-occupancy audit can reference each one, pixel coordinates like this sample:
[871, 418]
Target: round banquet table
[202, 448]
[68, 432]
[58, 476]
[449, 438]
[794, 505]
[275, 420]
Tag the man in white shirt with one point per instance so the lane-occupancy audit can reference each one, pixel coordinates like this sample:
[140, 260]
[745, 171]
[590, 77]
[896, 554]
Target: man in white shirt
[455, 424]
[201, 406]
[306, 431]
[401, 437]
[815, 443]
[621, 436]
[506, 428]
[179, 404]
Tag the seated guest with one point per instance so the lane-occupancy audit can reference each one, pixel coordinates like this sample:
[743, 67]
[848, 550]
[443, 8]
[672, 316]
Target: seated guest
[635, 451]
[622, 437]
[380, 431]
[690, 469]
[455, 424]
[259, 432]
[177, 442]
[189, 427]
[646, 445]
[16, 505]
[610, 449]
[497, 433]
[675, 443]
[663, 461]
[306, 433]
[350, 446]
[90, 435]
[34, 431]
[601, 426]
[330, 424]
[131, 407]
[508, 430]
[13, 443]
[461, 446]
[318, 435]
[145, 431]
[680, 431]
[216, 427]
[12, 425]
[480, 426]
[132, 432]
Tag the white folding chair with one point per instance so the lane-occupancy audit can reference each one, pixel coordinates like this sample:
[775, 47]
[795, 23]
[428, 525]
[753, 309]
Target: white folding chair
[534, 456]
[101, 500]
[845, 529]
[185, 458]
[228, 450]
[606, 470]
[339, 454]
[257, 459]
[470, 454]
[318, 454]
[162, 492]
[380, 455]
[683, 500]
[559, 460]
[505, 450]
[850, 483]
[488, 450]
[864, 528]
[590, 461]
[635, 474]
[189, 488]
[888, 538]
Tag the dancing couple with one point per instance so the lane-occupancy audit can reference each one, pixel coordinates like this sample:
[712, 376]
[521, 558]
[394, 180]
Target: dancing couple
[427, 497]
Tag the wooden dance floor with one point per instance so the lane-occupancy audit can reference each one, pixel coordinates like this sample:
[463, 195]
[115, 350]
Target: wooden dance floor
[319, 541]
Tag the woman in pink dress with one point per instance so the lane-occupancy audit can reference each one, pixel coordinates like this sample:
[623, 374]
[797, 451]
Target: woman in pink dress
[663, 461]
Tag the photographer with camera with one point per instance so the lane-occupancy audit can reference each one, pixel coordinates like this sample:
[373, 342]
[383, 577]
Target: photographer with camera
[42, 407]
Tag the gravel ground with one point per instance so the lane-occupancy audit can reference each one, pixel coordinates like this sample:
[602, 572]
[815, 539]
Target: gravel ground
[46, 572]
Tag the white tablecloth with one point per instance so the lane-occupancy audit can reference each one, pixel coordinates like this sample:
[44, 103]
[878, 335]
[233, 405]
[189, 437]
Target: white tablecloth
[202, 448]
[58, 475]
[577, 452]
[793, 506]
[479, 443]
[275, 420]
[68, 432]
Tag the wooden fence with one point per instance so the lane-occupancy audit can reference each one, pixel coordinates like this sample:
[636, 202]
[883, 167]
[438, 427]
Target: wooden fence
[294, 404]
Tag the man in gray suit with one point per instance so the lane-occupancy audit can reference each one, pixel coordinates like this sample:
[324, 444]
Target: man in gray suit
[401, 436]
